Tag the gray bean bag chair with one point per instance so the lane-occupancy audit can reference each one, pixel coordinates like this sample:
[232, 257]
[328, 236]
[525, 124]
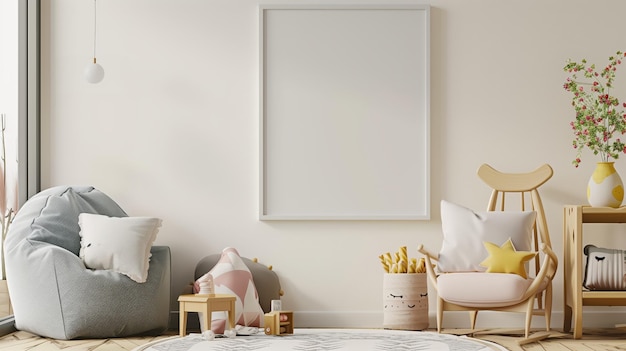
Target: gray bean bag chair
[56, 296]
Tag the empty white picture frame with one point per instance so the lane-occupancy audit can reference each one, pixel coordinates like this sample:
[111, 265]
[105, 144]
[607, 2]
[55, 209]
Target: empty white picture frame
[344, 112]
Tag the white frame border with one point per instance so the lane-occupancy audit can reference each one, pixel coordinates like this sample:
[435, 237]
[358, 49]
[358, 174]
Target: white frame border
[265, 213]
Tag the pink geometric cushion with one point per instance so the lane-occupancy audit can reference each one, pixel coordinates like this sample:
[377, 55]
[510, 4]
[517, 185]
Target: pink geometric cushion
[478, 289]
[232, 276]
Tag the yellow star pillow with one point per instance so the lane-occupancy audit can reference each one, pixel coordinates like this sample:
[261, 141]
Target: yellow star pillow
[505, 259]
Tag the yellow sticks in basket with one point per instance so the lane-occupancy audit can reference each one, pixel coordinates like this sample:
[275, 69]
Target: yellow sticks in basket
[401, 263]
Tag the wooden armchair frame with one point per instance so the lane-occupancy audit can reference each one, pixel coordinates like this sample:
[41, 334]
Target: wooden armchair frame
[536, 299]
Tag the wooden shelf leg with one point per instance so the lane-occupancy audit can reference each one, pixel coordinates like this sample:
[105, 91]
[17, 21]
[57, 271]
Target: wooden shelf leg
[567, 318]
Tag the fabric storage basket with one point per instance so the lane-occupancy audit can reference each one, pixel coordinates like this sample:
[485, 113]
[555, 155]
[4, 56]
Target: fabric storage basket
[405, 301]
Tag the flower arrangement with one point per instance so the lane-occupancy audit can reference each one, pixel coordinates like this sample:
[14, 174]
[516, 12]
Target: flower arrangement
[600, 120]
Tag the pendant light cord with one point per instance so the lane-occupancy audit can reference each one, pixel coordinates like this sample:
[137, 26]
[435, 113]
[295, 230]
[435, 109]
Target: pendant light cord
[95, 19]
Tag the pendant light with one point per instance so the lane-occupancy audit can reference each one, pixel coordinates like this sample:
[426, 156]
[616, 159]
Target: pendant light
[94, 73]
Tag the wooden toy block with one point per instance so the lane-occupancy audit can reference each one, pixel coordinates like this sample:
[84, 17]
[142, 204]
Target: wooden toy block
[278, 323]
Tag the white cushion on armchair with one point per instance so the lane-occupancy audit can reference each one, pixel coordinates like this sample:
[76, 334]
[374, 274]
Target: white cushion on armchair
[478, 289]
[465, 232]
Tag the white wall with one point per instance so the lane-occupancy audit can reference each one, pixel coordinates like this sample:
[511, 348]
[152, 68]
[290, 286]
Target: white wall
[172, 131]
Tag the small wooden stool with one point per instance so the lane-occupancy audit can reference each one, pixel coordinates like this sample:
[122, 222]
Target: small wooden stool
[206, 304]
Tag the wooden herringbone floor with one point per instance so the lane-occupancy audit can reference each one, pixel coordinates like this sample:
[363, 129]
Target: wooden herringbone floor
[21, 341]
[593, 340]
[612, 339]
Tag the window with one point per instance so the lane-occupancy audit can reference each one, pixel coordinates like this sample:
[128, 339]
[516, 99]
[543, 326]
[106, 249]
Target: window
[19, 104]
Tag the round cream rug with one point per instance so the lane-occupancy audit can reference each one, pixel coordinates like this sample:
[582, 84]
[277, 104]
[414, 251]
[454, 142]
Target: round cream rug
[327, 339]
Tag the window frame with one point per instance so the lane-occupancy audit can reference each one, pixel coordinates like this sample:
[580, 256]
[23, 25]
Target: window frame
[29, 99]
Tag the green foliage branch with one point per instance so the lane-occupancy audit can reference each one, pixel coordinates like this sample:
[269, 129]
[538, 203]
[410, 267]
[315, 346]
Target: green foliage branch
[600, 120]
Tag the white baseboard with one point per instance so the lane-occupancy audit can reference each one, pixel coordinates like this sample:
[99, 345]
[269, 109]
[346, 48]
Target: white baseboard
[486, 319]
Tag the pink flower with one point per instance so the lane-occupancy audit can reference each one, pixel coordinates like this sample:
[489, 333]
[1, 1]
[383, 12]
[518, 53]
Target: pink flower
[598, 119]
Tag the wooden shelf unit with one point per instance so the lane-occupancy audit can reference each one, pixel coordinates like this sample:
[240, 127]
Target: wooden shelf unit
[575, 296]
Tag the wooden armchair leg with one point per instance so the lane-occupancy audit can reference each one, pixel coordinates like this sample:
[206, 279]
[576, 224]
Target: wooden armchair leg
[529, 317]
[473, 315]
[548, 307]
[439, 314]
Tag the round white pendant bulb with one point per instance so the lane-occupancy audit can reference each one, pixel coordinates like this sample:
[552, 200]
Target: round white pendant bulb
[94, 73]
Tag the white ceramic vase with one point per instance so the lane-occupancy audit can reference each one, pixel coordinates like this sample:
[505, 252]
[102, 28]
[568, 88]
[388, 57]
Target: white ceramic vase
[605, 187]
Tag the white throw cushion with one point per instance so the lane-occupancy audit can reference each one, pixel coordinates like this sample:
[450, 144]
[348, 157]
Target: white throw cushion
[120, 244]
[478, 289]
[464, 232]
